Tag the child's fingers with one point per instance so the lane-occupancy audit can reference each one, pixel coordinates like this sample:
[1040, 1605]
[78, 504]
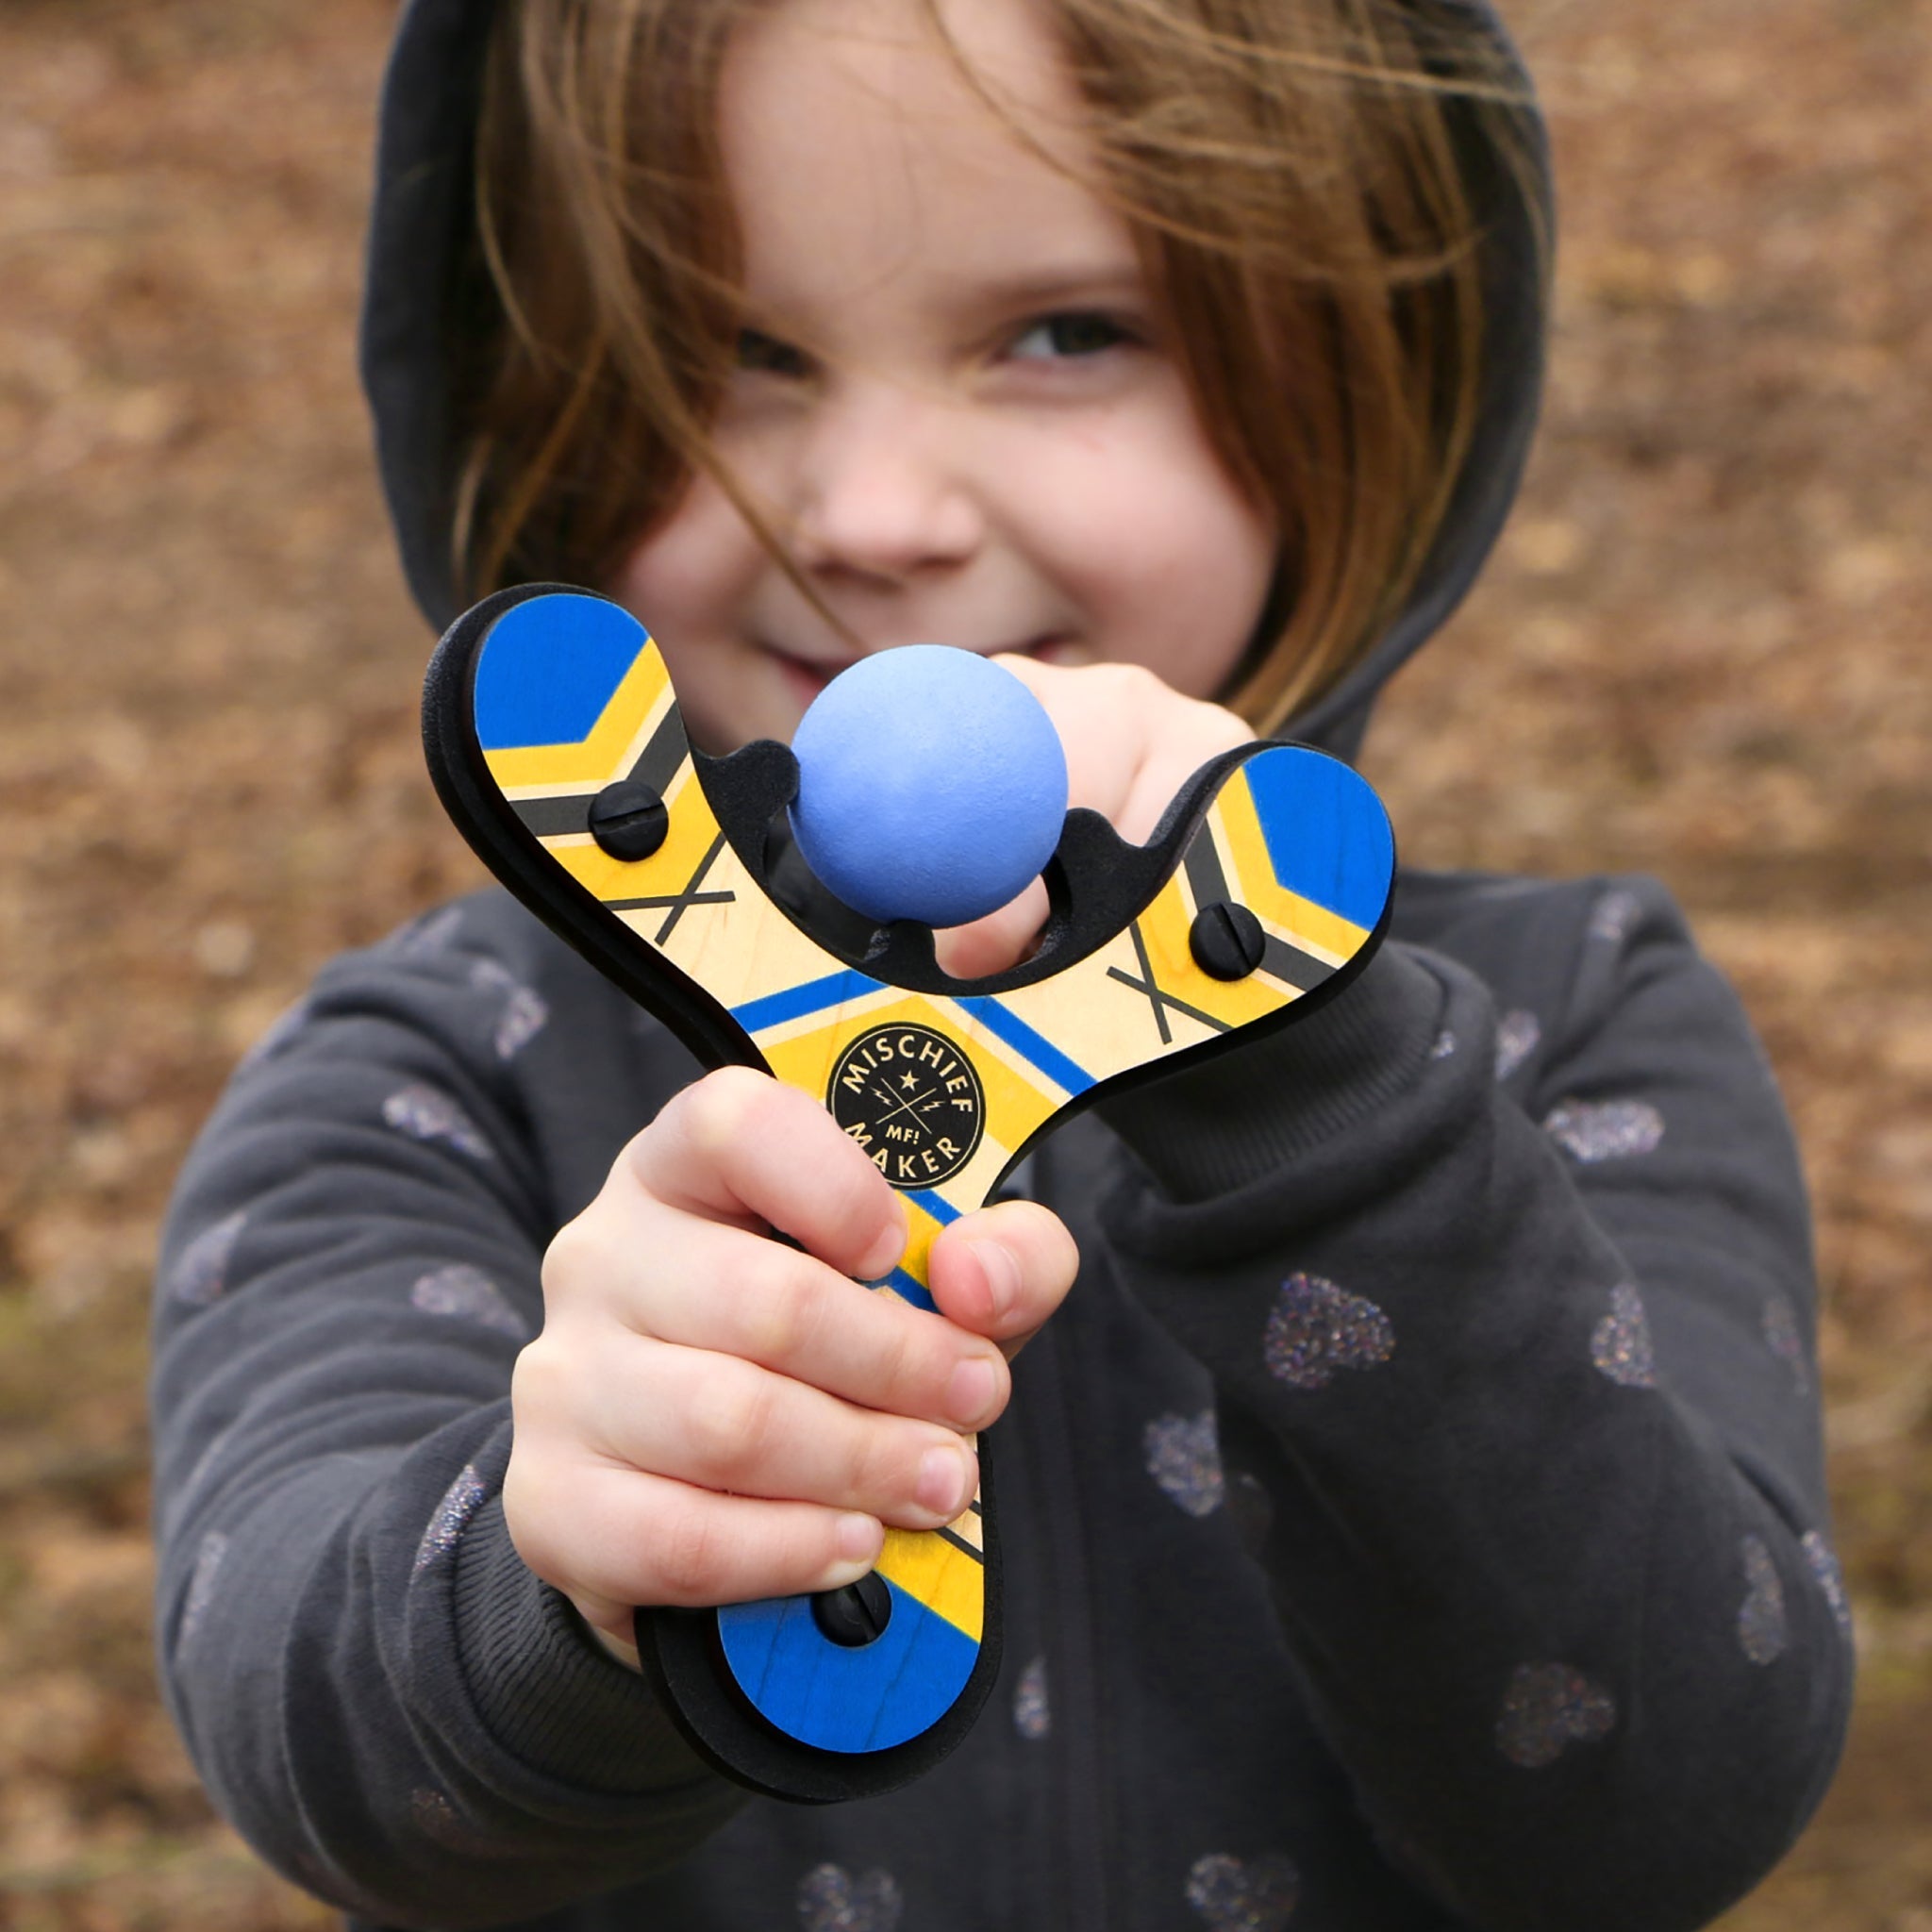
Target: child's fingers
[1002, 1272]
[606, 1536]
[738, 1146]
[1193, 734]
[731, 1426]
[1000, 939]
[1131, 742]
[726, 1291]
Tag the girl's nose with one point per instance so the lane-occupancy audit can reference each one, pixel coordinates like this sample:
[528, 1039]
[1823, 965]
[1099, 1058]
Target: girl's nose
[882, 488]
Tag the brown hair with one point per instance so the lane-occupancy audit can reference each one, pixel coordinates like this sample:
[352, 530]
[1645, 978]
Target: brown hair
[1300, 173]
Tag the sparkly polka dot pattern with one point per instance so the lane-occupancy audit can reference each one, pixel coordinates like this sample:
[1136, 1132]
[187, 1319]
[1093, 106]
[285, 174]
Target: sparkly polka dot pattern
[1594, 1130]
[427, 1113]
[1613, 915]
[830, 1899]
[1620, 1343]
[1316, 1328]
[524, 1009]
[1518, 1034]
[468, 1294]
[201, 1584]
[200, 1273]
[1547, 1709]
[452, 1517]
[1761, 1631]
[1032, 1714]
[1444, 1045]
[1183, 1457]
[1233, 1894]
[1823, 1562]
[1784, 1339]
[524, 1015]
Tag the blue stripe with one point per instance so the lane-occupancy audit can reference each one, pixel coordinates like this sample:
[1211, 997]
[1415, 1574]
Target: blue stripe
[937, 1205]
[813, 996]
[909, 1287]
[1026, 1041]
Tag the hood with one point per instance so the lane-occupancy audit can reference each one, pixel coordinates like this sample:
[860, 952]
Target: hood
[421, 211]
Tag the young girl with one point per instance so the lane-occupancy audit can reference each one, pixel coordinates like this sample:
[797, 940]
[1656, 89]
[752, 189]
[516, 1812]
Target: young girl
[1414, 1514]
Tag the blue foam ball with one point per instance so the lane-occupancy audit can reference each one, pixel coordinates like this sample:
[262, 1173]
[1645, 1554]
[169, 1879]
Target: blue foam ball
[931, 785]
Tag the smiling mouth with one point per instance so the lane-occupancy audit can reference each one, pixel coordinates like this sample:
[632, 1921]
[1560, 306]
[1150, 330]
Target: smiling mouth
[810, 675]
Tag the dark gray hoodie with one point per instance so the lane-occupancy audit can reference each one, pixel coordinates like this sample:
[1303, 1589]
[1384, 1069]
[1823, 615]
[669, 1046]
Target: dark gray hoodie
[1414, 1519]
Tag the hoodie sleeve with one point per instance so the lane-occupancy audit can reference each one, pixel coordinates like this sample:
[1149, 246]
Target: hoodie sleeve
[392, 1709]
[1511, 1323]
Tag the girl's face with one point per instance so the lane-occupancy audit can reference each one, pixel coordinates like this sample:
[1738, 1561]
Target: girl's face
[959, 401]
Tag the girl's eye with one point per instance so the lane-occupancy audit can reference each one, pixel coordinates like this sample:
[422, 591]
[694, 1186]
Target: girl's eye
[769, 356]
[1079, 332]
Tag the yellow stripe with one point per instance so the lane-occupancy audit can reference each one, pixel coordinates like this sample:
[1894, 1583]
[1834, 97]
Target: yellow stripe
[1242, 843]
[946, 1580]
[1245, 852]
[921, 1230]
[668, 870]
[1313, 928]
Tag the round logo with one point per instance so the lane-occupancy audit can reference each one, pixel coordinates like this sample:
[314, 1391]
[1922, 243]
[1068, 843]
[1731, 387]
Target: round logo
[911, 1099]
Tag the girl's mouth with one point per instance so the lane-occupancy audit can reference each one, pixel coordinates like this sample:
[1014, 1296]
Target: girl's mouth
[805, 677]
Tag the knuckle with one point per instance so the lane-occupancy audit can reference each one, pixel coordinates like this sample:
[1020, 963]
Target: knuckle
[718, 1111]
[1214, 728]
[728, 1424]
[539, 1382]
[847, 1185]
[774, 1312]
[904, 1359]
[532, 1523]
[689, 1551]
[882, 1463]
[1129, 684]
[572, 1256]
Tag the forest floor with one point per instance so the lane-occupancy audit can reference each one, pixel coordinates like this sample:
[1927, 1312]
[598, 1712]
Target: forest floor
[1701, 652]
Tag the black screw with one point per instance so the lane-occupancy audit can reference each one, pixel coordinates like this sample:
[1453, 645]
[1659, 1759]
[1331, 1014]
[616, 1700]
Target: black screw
[628, 820]
[856, 1614]
[1227, 941]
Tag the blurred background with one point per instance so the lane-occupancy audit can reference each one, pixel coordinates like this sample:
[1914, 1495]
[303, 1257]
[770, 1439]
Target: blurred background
[1700, 653]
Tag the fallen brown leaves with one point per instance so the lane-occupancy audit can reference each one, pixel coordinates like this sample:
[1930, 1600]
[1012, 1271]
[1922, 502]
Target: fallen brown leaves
[1701, 652]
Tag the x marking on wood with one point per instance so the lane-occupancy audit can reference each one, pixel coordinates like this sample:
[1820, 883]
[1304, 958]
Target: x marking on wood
[676, 902]
[1158, 997]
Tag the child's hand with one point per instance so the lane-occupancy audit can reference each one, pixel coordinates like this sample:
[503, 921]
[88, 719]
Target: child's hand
[711, 1416]
[1131, 744]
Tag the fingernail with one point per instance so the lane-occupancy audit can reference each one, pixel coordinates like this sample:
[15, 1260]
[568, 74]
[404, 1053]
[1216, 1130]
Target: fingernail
[945, 1481]
[1002, 1276]
[971, 1390]
[858, 1539]
[883, 1256]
